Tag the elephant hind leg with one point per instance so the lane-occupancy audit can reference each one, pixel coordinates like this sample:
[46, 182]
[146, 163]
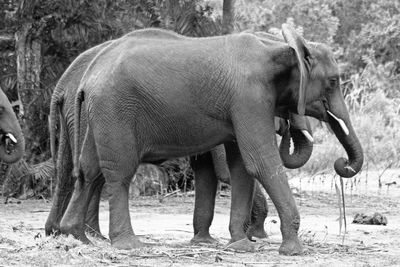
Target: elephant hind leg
[92, 226]
[73, 221]
[119, 160]
[259, 213]
[205, 191]
[64, 188]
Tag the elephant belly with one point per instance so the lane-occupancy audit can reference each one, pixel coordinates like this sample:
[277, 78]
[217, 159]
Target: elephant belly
[183, 137]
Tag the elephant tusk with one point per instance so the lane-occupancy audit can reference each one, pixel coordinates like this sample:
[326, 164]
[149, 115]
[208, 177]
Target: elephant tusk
[12, 137]
[350, 169]
[308, 136]
[340, 121]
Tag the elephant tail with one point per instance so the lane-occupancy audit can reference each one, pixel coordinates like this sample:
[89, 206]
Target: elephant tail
[77, 115]
[54, 121]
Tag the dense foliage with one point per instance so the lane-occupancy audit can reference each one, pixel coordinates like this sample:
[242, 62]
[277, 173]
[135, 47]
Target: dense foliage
[365, 35]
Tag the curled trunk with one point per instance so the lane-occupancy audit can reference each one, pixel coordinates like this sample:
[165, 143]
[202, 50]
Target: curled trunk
[301, 152]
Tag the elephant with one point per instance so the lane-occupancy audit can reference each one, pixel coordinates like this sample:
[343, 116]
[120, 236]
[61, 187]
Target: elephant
[160, 96]
[62, 104]
[12, 146]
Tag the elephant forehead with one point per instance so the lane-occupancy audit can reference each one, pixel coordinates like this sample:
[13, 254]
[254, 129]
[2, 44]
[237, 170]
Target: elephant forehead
[325, 64]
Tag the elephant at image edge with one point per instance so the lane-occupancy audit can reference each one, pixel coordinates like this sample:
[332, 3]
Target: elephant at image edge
[12, 142]
[238, 83]
[62, 102]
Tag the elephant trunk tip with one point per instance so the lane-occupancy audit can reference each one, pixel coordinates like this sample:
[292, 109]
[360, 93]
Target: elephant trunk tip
[344, 169]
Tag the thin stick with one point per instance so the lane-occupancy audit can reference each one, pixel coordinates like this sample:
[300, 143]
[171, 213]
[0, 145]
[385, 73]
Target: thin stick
[201, 252]
[340, 207]
[171, 194]
[380, 176]
[97, 232]
[344, 206]
[267, 262]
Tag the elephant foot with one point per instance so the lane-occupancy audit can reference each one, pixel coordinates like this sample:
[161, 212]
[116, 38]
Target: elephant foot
[128, 242]
[51, 228]
[96, 234]
[203, 239]
[242, 245]
[257, 232]
[291, 247]
[76, 232]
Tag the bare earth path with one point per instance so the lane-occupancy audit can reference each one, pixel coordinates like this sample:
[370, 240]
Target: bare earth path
[169, 226]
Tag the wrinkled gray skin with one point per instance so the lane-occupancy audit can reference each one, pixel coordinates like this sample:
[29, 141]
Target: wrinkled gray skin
[12, 142]
[172, 96]
[62, 103]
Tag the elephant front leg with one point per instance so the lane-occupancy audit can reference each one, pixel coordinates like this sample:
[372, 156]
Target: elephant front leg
[255, 134]
[205, 191]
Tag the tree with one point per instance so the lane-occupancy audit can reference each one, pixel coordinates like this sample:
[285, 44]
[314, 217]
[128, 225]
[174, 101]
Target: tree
[228, 9]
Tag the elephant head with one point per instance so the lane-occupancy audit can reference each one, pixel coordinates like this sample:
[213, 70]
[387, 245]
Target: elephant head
[297, 129]
[12, 143]
[319, 96]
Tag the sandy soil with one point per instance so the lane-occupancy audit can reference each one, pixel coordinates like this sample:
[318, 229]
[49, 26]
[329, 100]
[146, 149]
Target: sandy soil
[169, 226]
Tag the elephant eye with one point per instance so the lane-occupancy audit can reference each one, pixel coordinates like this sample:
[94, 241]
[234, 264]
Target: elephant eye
[333, 82]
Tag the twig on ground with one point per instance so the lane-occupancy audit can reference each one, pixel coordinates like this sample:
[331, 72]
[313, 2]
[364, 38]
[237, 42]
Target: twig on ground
[384, 170]
[169, 194]
[178, 230]
[266, 263]
[37, 211]
[97, 232]
[203, 251]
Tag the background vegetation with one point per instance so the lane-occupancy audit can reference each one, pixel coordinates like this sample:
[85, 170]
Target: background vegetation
[365, 35]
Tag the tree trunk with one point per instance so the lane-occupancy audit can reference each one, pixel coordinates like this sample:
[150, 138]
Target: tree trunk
[29, 67]
[228, 11]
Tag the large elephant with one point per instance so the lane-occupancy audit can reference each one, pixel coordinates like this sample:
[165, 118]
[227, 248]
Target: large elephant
[172, 96]
[12, 143]
[62, 103]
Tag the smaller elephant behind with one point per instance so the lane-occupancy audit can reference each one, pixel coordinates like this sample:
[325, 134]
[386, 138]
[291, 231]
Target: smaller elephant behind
[218, 165]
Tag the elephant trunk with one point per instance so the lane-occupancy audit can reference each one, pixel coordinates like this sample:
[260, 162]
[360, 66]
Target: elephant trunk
[347, 137]
[302, 149]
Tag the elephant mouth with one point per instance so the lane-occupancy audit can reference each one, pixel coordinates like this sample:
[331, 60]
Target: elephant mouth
[9, 141]
[340, 122]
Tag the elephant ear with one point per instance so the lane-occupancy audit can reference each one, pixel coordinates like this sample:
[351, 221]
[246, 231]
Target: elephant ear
[303, 56]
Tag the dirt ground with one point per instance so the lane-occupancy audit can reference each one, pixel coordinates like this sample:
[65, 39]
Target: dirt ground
[169, 226]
